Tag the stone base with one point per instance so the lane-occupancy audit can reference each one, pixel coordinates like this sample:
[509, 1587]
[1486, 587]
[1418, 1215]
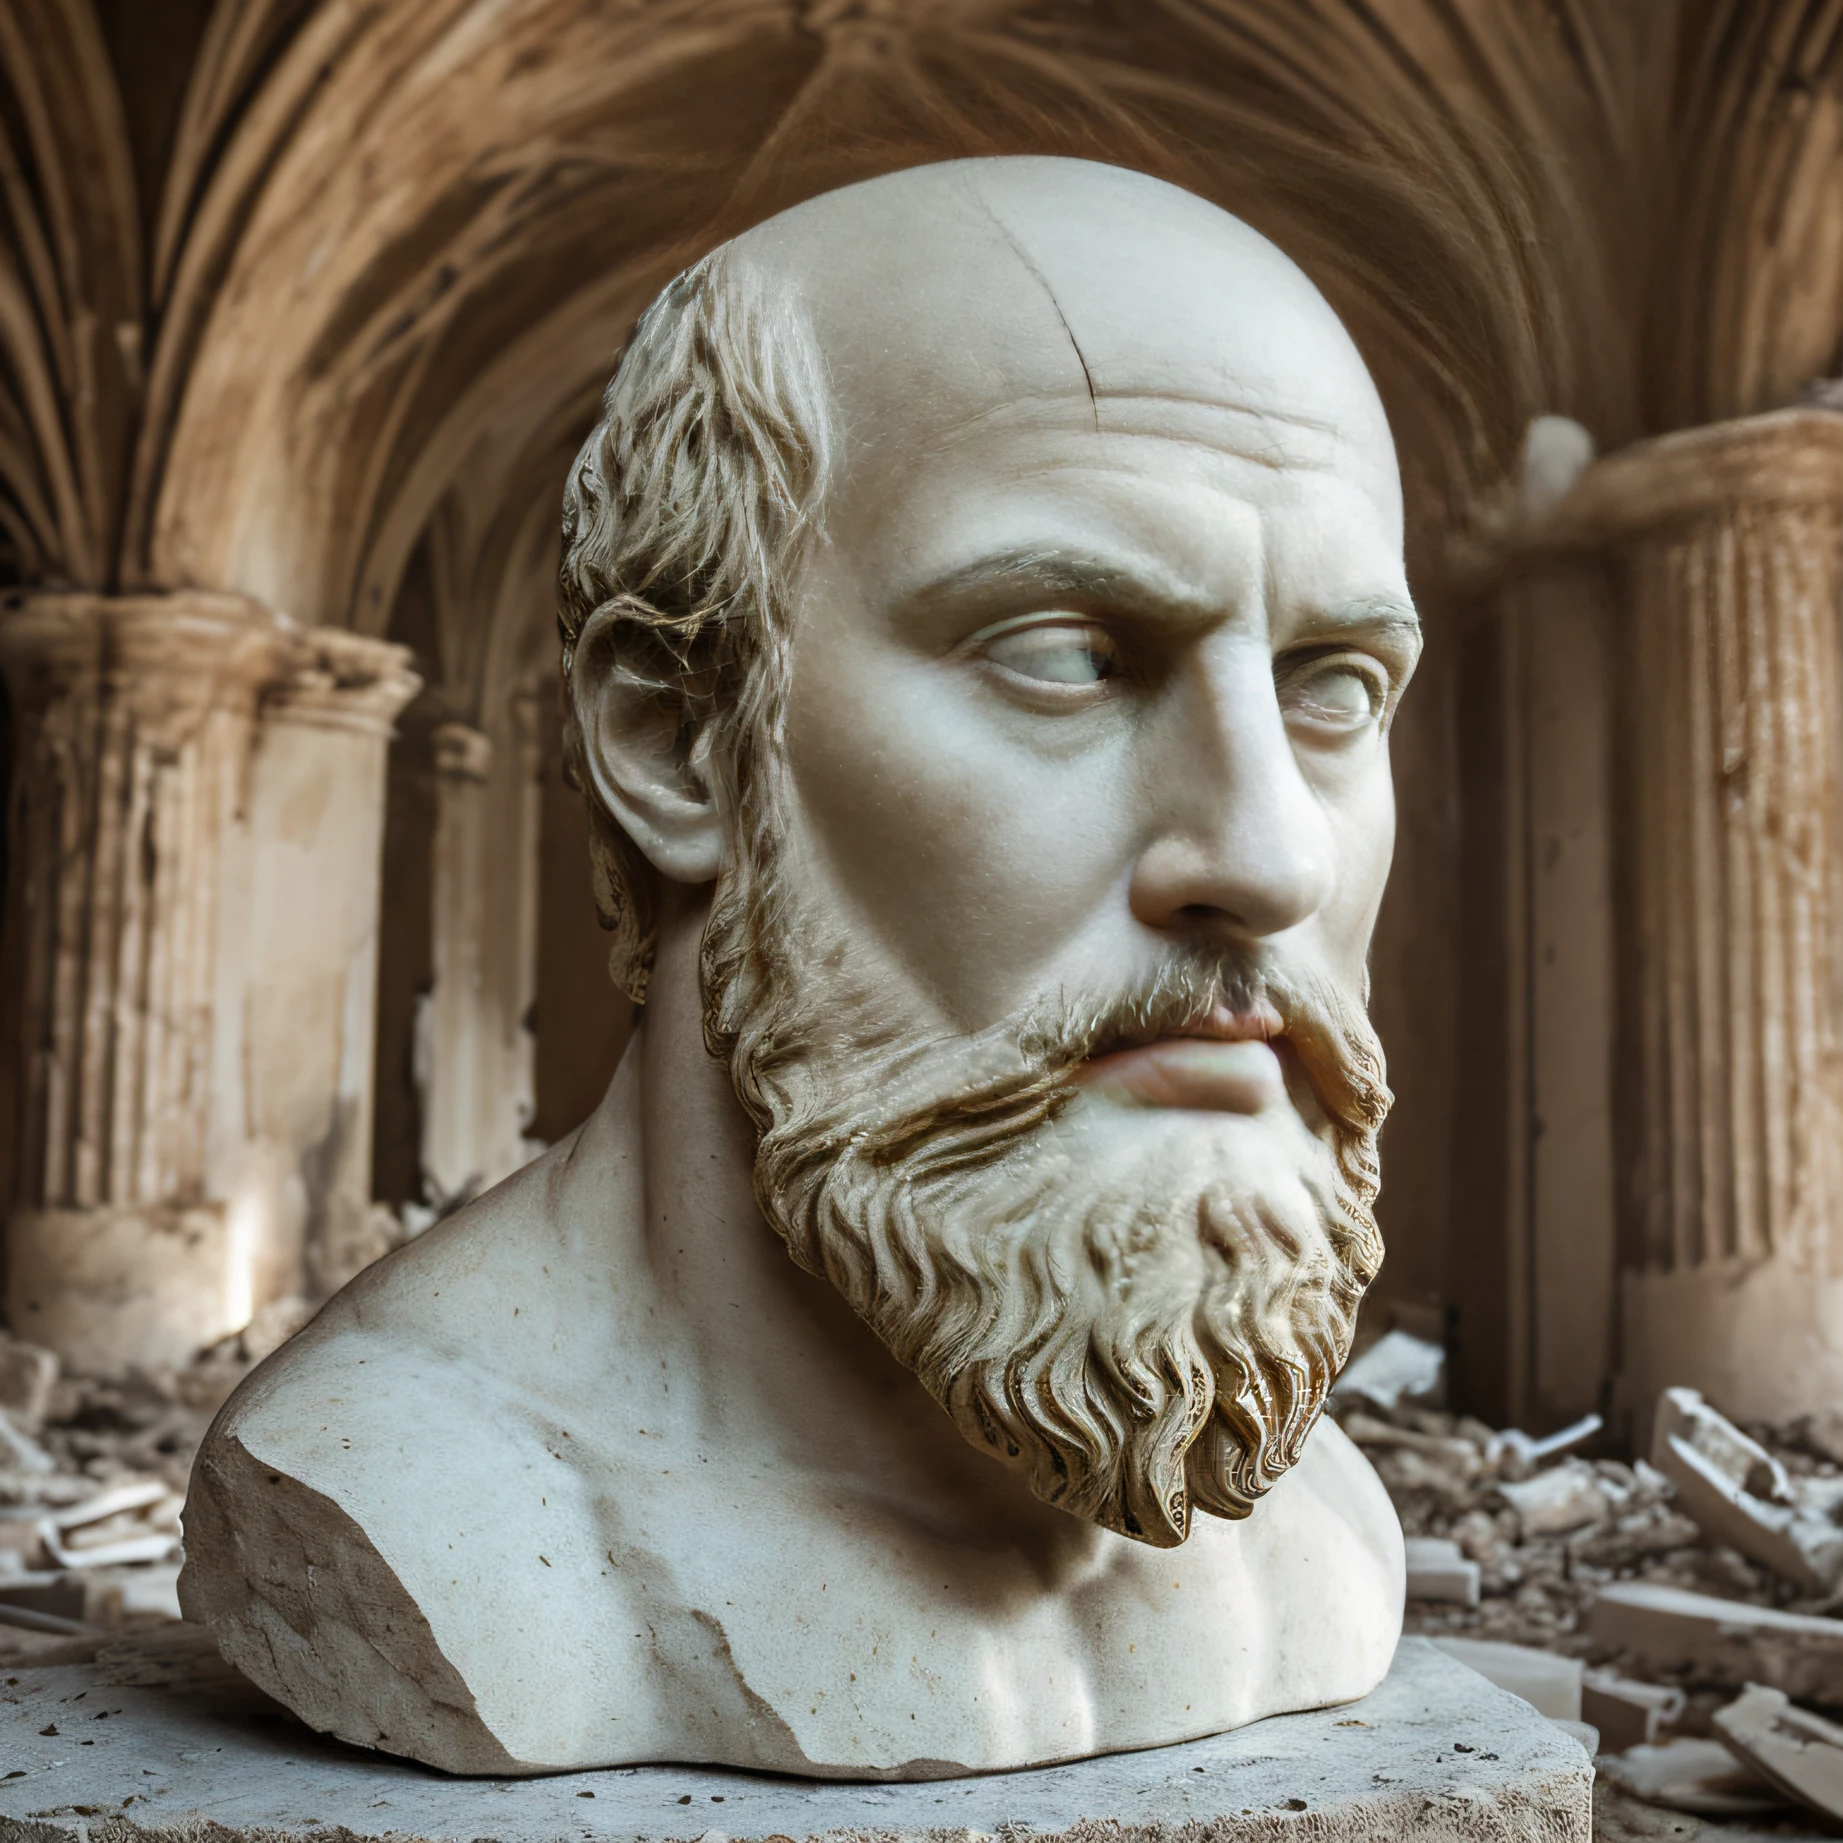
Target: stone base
[159, 1739]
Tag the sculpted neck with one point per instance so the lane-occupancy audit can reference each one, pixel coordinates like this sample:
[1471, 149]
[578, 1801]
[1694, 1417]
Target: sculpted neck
[769, 1360]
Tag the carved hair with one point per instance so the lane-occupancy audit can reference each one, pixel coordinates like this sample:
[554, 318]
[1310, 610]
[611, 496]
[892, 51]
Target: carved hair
[683, 517]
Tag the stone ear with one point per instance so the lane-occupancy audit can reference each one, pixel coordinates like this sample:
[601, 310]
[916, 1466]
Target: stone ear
[642, 759]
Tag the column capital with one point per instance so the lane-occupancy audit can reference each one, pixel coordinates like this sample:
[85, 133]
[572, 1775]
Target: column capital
[1786, 458]
[173, 658]
[335, 679]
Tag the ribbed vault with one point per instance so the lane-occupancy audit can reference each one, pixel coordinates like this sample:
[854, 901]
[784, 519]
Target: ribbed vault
[393, 243]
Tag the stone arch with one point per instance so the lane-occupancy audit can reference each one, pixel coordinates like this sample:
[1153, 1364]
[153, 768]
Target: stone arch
[441, 238]
[469, 203]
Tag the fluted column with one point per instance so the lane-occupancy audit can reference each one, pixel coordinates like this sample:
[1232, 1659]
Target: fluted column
[134, 718]
[475, 1054]
[296, 1124]
[197, 806]
[1729, 693]
[451, 1048]
[1735, 809]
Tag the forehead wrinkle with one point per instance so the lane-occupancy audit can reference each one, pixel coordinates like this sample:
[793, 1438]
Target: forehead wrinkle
[1054, 572]
[1318, 425]
[1019, 411]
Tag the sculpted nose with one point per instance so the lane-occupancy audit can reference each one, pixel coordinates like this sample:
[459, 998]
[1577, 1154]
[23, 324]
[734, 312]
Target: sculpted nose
[1239, 844]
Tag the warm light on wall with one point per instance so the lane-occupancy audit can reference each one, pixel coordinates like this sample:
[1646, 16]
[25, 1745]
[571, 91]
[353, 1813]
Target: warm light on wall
[242, 1238]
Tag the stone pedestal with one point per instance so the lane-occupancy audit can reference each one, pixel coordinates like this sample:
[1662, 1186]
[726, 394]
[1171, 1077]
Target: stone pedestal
[159, 1739]
[194, 832]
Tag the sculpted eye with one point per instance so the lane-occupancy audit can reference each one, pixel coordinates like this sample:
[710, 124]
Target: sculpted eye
[1339, 695]
[1056, 652]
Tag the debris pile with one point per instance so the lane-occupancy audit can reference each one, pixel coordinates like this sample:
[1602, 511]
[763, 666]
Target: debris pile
[92, 1480]
[1696, 1595]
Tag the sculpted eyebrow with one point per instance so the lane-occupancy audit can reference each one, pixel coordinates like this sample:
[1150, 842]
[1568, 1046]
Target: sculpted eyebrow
[1047, 575]
[1379, 616]
[1052, 575]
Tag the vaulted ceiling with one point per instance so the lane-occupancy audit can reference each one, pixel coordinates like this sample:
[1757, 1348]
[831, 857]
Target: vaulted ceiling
[300, 284]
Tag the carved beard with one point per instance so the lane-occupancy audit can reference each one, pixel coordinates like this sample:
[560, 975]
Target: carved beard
[1117, 1306]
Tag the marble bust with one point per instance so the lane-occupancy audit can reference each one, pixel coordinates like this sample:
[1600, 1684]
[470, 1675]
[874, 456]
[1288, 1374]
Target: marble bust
[983, 612]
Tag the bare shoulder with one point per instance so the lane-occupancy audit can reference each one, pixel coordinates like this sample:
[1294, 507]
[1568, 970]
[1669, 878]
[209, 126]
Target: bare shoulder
[391, 1525]
[1336, 1468]
[302, 1602]
[496, 1252]
[305, 1546]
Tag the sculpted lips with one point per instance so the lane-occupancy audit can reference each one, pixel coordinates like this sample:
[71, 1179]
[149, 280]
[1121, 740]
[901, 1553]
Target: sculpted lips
[1229, 1062]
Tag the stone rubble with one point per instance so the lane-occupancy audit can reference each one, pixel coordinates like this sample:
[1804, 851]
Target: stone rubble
[92, 1480]
[1437, 1570]
[1738, 1493]
[1799, 1753]
[1549, 1682]
[1676, 1582]
[1625, 1713]
[1702, 1778]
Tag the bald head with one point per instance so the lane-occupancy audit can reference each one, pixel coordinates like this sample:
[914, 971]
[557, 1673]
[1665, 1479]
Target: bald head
[911, 406]
[947, 296]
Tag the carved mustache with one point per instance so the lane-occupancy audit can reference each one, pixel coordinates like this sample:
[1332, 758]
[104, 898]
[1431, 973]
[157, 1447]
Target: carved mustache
[966, 1096]
[1232, 997]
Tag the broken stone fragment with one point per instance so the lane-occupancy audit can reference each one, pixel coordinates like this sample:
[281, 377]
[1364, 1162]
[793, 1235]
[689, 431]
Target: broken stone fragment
[1740, 1494]
[136, 1520]
[1566, 1497]
[1628, 1713]
[1437, 1570]
[1397, 1367]
[1409, 1460]
[22, 1545]
[1822, 1497]
[1479, 1537]
[1547, 1681]
[1633, 1540]
[18, 1453]
[1517, 1454]
[1822, 1433]
[1723, 1643]
[1789, 1747]
[28, 1374]
[1700, 1777]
